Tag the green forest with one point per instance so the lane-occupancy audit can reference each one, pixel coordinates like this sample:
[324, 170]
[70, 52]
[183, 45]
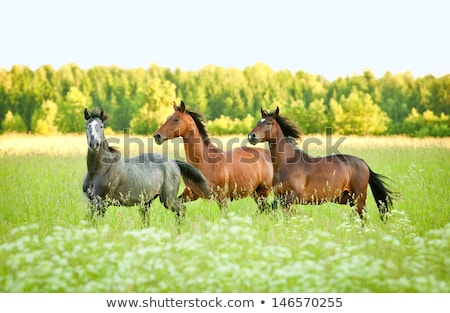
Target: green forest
[47, 101]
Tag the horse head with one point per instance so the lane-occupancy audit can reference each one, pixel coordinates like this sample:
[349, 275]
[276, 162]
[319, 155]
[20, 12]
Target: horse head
[264, 128]
[176, 124]
[95, 128]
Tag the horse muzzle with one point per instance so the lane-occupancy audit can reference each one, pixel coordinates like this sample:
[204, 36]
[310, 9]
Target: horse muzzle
[253, 138]
[159, 138]
[94, 145]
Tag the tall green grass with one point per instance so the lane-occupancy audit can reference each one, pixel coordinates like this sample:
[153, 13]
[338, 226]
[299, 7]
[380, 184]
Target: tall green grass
[47, 245]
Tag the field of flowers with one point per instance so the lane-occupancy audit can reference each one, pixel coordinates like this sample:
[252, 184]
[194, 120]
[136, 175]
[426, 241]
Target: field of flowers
[48, 245]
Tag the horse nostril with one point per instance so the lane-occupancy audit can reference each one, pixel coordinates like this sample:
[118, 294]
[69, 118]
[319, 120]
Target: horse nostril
[253, 138]
[158, 138]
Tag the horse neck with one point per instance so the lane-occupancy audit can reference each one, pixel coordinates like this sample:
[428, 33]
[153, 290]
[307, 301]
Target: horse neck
[98, 162]
[281, 150]
[196, 149]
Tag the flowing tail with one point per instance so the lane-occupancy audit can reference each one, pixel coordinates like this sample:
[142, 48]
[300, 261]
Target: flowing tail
[384, 197]
[194, 179]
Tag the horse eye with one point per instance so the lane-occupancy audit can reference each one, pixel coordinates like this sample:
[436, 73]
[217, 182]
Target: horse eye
[176, 120]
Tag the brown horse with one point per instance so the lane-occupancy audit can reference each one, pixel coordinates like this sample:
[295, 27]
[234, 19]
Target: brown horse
[233, 174]
[301, 178]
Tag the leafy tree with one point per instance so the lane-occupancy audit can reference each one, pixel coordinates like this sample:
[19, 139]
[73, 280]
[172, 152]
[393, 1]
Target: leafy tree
[5, 93]
[357, 114]
[225, 125]
[398, 94]
[426, 124]
[43, 121]
[69, 76]
[47, 83]
[157, 106]
[439, 95]
[24, 94]
[296, 111]
[13, 123]
[261, 80]
[318, 120]
[141, 98]
[70, 111]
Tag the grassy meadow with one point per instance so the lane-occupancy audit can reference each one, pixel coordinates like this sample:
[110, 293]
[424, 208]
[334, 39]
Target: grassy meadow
[48, 245]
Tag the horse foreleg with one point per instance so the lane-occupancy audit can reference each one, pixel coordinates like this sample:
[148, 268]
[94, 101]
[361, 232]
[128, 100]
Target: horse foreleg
[223, 205]
[283, 202]
[96, 208]
[260, 197]
[263, 204]
[144, 210]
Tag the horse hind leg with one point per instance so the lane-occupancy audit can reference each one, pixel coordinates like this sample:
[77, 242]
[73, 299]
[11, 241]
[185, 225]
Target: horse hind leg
[360, 207]
[352, 201]
[173, 203]
[260, 197]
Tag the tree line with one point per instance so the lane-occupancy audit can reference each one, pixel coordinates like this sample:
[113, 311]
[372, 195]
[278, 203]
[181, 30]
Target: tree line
[49, 101]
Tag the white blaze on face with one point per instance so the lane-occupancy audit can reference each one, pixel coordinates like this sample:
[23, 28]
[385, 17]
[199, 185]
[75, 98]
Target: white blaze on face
[262, 120]
[94, 134]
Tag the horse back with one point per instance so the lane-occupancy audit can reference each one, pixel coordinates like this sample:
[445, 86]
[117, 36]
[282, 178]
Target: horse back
[151, 172]
[146, 158]
[344, 167]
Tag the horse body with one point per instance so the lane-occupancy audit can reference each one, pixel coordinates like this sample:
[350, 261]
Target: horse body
[233, 174]
[231, 181]
[319, 179]
[134, 181]
[127, 181]
[301, 178]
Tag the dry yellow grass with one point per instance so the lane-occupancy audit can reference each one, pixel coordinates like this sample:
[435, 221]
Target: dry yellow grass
[75, 144]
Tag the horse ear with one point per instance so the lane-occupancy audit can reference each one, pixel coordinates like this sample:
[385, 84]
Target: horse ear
[86, 114]
[102, 114]
[175, 107]
[263, 113]
[277, 112]
[182, 106]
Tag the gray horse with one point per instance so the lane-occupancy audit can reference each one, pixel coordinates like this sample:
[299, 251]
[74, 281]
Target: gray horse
[133, 181]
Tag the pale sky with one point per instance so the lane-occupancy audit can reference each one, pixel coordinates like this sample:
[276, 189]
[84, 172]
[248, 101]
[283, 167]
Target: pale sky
[327, 37]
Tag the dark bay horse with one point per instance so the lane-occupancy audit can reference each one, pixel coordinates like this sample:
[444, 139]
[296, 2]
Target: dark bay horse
[133, 181]
[233, 174]
[301, 178]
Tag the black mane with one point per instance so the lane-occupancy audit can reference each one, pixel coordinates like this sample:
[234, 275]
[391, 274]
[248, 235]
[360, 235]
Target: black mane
[288, 127]
[100, 114]
[200, 122]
